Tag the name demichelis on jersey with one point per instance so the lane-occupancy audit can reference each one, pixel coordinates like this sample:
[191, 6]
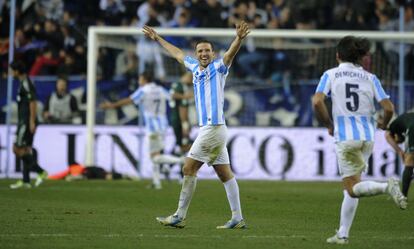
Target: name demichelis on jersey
[208, 90]
[353, 91]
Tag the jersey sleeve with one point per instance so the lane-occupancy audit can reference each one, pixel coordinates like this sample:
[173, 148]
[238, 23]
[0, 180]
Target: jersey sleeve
[137, 96]
[221, 67]
[379, 92]
[190, 63]
[165, 93]
[324, 85]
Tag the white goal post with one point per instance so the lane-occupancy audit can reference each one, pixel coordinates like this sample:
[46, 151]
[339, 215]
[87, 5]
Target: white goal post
[93, 45]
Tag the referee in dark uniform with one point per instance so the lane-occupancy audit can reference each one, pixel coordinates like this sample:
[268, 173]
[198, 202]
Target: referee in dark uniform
[402, 130]
[26, 127]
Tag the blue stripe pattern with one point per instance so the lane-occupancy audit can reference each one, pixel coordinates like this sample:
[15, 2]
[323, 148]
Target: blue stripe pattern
[213, 93]
[341, 128]
[355, 131]
[322, 83]
[203, 100]
[379, 88]
[366, 128]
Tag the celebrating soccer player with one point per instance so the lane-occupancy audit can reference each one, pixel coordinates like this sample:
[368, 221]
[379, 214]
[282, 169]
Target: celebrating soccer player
[353, 91]
[209, 77]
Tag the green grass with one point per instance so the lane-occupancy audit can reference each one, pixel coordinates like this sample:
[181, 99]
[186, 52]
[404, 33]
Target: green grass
[121, 214]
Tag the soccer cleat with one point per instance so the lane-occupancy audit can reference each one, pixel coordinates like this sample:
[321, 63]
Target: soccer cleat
[337, 240]
[40, 178]
[233, 224]
[20, 184]
[172, 221]
[393, 189]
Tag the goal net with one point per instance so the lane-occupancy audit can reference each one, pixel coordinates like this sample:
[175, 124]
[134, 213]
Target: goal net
[271, 79]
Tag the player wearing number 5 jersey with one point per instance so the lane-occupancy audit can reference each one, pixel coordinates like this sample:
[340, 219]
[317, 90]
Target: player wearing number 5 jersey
[353, 91]
[152, 99]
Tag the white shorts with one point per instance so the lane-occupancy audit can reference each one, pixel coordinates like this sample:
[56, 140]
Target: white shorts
[156, 142]
[210, 145]
[353, 156]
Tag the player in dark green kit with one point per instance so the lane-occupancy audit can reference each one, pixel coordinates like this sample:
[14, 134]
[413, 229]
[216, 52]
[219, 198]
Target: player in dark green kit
[181, 92]
[402, 130]
[26, 127]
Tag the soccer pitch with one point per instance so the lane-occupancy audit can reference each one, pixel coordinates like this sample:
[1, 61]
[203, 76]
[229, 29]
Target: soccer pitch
[121, 214]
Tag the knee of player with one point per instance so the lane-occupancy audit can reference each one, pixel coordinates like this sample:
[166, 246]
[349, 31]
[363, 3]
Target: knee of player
[351, 193]
[189, 170]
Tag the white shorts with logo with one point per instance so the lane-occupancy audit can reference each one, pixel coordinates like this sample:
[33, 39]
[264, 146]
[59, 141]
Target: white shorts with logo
[210, 145]
[353, 156]
[156, 142]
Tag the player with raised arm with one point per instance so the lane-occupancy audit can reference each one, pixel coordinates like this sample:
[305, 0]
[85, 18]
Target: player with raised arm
[209, 76]
[402, 130]
[353, 91]
[152, 99]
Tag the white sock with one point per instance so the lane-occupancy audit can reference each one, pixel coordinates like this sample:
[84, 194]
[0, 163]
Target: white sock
[369, 188]
[187, 190]
[169, 159]
[156, 174]
[232, 190]
[348, 210]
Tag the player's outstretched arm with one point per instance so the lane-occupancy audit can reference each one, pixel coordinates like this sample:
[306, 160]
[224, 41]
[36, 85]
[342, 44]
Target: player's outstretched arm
[388, 107]
[114, 105]
[321, 111]
[242, 30]
[391, 141]
[175, 52]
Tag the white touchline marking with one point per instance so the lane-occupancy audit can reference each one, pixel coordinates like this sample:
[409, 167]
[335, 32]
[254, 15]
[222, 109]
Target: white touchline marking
[141, 235]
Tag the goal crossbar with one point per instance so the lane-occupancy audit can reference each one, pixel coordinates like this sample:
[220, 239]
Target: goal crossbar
[95, 31]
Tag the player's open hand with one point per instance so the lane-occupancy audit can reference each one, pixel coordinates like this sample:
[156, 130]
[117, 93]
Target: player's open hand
[150, 33]
[242, 29]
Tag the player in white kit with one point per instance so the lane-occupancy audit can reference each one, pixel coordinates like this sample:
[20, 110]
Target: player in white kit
[353, 91]
[209, 76]
[152, 99]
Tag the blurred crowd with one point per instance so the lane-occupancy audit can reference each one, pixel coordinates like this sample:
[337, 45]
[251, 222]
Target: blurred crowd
[50, 35]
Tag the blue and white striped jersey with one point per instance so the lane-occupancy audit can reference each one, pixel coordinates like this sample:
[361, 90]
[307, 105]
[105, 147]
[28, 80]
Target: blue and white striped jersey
[152, 99]
[208, 90]
[353, 91]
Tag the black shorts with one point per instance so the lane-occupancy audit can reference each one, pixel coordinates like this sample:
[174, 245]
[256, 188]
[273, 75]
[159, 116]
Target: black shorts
[409, 140]
[24, 137]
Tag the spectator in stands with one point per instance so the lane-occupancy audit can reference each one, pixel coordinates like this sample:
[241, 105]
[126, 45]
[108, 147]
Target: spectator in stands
[216, 17]
[61, 107]
[148, 52]
[50, 9]
[45, 64]
[69, 65]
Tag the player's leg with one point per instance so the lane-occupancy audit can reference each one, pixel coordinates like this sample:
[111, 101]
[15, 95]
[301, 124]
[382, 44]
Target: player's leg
[372, 188]
[41, 173]
[25, 182]
[233, 196]
[157, 145]
[221, 165]
[407, 175]
[190, 169]
[197, 156]
[22, 149]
